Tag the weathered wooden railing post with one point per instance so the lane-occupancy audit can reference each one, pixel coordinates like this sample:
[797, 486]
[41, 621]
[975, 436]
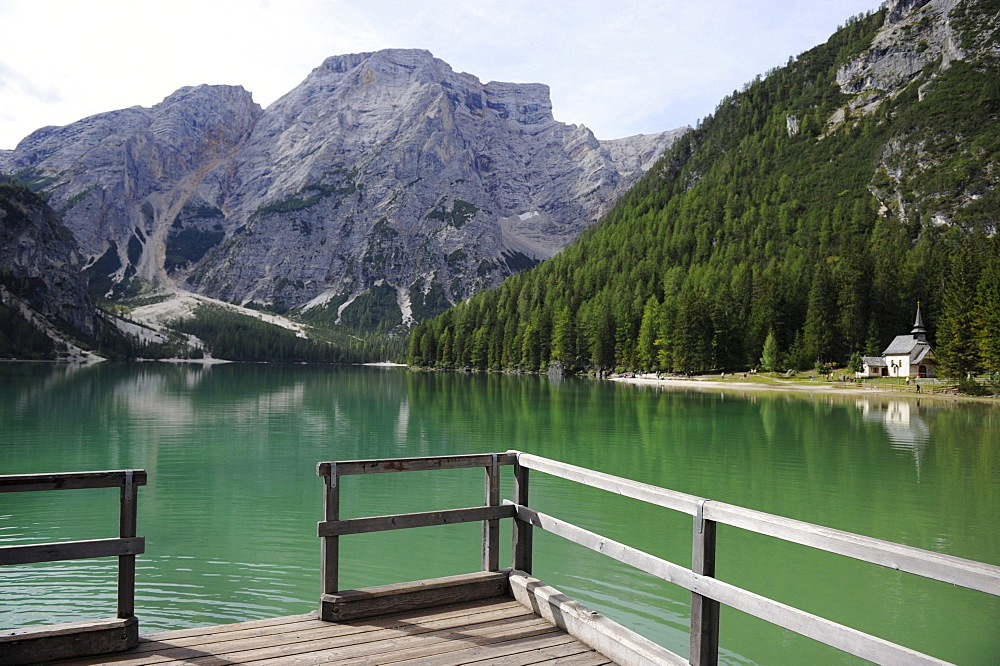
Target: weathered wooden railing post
[128, 515]
[491, 528]
[704, 611]
[329, 569]
[79, 639]
[522, 529]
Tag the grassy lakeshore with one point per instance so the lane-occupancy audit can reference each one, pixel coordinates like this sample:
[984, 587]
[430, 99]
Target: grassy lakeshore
[804, 382]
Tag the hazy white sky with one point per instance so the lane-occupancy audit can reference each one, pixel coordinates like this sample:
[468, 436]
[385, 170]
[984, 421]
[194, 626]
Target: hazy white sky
[620, 67]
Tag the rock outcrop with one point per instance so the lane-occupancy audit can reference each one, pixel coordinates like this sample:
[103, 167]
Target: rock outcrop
[635, 155]
[916, 33]
[920, 41]
[40, 266]
[383, 175]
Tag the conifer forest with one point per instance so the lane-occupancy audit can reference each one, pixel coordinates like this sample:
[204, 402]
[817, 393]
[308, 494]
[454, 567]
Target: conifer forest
[776, 234]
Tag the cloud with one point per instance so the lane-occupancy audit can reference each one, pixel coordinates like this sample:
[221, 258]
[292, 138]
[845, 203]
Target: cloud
[623, 67]
[10, 77]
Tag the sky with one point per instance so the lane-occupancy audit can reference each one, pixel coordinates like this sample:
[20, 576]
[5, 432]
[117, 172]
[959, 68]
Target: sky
[620, 67]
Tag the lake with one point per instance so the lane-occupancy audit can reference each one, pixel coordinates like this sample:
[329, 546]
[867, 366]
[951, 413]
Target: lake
[233, 499]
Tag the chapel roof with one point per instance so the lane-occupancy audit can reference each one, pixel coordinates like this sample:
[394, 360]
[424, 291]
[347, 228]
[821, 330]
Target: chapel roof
[903, 344]
[914, 345]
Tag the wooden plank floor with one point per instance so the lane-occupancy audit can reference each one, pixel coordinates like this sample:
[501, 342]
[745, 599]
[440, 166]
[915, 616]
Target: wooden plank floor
[496, 631]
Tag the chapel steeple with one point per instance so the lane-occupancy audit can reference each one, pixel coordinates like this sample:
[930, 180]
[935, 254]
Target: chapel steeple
[919, 332]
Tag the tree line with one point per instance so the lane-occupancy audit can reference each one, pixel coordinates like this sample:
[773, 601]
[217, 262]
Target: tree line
[773, 231]
[238, 337]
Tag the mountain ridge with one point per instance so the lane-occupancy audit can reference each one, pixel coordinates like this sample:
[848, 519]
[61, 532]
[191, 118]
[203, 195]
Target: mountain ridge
[813, 209]
[384, 176]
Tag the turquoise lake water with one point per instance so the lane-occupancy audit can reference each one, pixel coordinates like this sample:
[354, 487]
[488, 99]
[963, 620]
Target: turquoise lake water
[231, 508]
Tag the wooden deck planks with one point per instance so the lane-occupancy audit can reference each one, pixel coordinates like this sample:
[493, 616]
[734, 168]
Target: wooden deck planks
[394, 649]
[486, 632]
[552, 647]
[295, 629]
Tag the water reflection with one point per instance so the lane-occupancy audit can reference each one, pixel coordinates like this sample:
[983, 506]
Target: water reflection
[904, 426]
[230, 512]
[403, 423]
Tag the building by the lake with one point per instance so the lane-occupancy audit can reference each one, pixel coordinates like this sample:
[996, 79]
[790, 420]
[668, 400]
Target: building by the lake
[906, 356]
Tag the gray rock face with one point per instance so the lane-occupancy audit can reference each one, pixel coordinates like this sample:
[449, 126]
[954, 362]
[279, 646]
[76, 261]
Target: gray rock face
[916, 32]
[382, 170]
[39, 261]
[634, 155]
[120, 179]
[919, 42]
[897, 9]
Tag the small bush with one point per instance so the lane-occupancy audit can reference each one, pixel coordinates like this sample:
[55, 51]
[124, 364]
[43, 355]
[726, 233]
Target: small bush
[970, 386]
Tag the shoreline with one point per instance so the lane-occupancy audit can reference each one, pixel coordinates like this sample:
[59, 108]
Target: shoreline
[820, 387]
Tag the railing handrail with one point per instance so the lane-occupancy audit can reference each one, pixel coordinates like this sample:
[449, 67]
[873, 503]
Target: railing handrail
[928, 564]
[801, 622]
[707, 591]
[16, 483]
[417, 464]
[125, 547]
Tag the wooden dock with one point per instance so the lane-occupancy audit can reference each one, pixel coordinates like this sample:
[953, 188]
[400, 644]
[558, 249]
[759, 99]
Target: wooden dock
[499, 630]
[491, 616]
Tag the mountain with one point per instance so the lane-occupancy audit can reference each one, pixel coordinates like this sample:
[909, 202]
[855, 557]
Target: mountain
[814, 208]
[46, 309]
[115, 178]
[42, 288]
[39, 260]
[380, 190]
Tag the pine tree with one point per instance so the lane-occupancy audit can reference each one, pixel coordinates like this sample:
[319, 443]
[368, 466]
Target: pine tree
[646, 350]
[564, 337]
[600, 331]
[693, 334]
[446, 346]
[479, 353]
[856, 363]
[818, 335]
[530, 347]
[957, 351]
[986, 324]
[770, 361]
[428, 348]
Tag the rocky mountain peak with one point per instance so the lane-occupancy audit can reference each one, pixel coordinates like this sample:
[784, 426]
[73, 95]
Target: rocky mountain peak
[384, 181]
[394, 74]
[386, 69]
[525, 103]
[386, 59]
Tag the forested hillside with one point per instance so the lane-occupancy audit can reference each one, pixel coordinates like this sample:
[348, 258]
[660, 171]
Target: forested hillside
[237, 337]
[814, 212]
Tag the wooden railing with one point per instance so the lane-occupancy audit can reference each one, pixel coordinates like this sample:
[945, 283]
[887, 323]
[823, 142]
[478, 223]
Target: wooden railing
[332, 528]
[707, 592]
[125, 547]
